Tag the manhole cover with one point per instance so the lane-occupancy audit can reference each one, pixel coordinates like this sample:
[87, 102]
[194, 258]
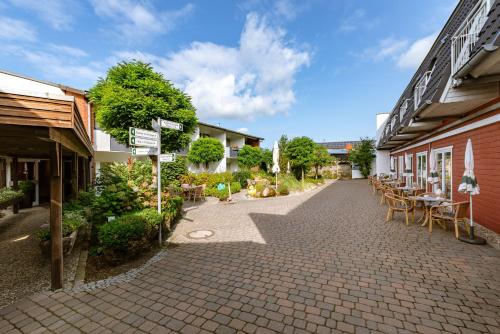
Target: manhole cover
[200, 234]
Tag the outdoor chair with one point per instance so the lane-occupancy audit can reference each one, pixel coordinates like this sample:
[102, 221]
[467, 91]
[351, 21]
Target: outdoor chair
[386, 190]
[198, 192]
[399, 204]
[449, 212]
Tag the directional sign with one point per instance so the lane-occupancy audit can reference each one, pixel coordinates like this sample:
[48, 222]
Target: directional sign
[144, 151]
[170, 125]
[133, 141]
[169, 157]
[144, 134]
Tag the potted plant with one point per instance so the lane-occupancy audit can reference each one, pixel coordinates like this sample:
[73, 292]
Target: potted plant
[28, 189]
[9, 196]
[72, 222]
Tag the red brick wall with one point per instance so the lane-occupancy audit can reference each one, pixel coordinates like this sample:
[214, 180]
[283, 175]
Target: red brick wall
[486, 145]
[82, 104]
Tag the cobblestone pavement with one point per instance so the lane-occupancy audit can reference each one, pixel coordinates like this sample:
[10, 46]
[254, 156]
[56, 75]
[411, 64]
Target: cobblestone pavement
[323, 262]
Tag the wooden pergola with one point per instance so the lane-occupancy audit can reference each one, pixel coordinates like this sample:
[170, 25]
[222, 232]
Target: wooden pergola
[48, 128]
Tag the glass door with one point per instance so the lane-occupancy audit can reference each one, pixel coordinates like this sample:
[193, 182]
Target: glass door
[444, 164]
[400, 167]
[422, 170]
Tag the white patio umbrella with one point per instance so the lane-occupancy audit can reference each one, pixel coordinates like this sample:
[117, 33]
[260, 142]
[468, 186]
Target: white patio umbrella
[433, 177]
[276, 163]
[393, 167]
[408, 170]
[469, 185]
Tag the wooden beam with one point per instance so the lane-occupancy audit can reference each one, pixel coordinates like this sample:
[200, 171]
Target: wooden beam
[56, 163]
[68, 140]
[15, 184]
[74, 176]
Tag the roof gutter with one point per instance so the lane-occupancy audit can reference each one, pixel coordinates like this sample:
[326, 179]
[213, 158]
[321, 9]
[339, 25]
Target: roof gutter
[485, 51]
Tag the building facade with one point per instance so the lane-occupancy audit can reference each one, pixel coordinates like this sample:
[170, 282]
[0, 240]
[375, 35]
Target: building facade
[107, 149]
[453, 96]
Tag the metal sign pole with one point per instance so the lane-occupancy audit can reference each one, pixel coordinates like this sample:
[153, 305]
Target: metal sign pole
[158, 177]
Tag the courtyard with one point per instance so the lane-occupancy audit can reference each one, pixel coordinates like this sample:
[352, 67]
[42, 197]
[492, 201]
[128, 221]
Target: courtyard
[324, 261]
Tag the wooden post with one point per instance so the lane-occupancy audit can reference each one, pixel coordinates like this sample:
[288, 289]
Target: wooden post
[74, 176]
[15, 184]
[56, 216]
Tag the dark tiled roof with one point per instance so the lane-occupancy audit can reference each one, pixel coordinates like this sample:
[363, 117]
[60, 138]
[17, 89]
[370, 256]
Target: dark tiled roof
[489, 33]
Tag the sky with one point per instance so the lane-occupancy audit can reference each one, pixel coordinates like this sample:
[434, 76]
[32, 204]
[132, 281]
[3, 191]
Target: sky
[317, 68]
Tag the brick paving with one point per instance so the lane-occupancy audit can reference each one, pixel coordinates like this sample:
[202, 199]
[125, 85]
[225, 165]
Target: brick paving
[322, 262]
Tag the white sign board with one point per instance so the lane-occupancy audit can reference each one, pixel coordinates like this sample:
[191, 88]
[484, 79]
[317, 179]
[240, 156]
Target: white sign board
[169, 157]
[170, 125]
[133, 141]
[144, 151]
[144, 134]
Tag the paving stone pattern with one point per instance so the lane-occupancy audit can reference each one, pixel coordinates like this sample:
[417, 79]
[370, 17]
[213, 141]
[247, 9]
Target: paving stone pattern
[322, 262]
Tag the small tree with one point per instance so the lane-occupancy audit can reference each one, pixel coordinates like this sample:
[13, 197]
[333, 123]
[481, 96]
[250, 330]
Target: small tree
[300, 153]
[282, 143]
[266, 159]
[362, 155]
[249, 156]
[205, 150]
[321, 158]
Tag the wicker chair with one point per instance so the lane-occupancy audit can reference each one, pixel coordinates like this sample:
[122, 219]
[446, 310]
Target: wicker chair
[399, 204]
[449, 212]
[198, 192]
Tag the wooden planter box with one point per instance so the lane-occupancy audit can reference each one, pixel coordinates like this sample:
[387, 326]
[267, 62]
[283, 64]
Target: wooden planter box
[5, 205]
[68, 244]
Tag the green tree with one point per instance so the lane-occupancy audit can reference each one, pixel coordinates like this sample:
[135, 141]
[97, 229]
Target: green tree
[321, 158]
[132, 94]
[171, 171]
[249, 156]
[206, 150]
[362, 155]
[266, 161]
[300, 152]
[282, 143]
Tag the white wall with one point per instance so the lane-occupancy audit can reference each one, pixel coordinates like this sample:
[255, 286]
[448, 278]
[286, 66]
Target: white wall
[382, 157]
[12, 83]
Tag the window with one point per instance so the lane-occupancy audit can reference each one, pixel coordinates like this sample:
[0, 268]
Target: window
[444, 170]
[403, 109]
[393, 122]
[422, 169]
[400, 167]
[409, 169]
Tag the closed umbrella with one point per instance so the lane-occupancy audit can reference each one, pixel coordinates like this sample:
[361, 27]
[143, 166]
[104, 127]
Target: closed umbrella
[433, 177]
[469, 185]
[408, 170]
[276, 163]
[393, 167]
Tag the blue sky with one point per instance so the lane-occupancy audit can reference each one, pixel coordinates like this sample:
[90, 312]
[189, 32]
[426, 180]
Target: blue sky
[317, 68]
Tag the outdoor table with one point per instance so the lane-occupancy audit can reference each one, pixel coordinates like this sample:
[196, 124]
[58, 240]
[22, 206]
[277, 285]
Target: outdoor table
[407, 189]
[428, 202]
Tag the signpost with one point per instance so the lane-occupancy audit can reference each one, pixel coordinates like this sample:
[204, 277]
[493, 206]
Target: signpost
[151, 145]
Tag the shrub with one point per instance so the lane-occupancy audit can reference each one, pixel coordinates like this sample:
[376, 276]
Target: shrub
[151, 217]
[205, 151]
[242, 177]
[171, 171]
[235, 187]
[115, 200]
[249, 156]
[328, 174]
[26, 186]
[71, 221]
[283, 189]
[7, 195]
[115, 235]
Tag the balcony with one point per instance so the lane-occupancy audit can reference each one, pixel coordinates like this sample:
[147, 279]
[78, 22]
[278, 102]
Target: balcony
[420, 88]
[467, 35]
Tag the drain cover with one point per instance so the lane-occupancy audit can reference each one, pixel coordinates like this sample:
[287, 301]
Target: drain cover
[200, 234]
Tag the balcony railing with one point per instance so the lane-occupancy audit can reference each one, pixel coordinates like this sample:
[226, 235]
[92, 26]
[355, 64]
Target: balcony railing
[467, 35]
[420, 88]
[231, 152]
[402, 110]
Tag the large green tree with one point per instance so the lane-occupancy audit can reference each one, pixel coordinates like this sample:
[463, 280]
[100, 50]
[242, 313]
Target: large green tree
[266, 161]
[321, 158]
[206, 150]
[363, 154]
[300, 152]
[249, 156]
[132, 94]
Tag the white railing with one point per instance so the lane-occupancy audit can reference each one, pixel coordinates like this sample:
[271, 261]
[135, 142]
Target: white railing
[402, 110]
[393, 122]
[467, 35]
[420, 88]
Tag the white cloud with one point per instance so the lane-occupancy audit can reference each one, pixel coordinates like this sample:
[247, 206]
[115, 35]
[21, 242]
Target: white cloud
[356, 20]
[386, 48]
[57, 13]
[11, 29]
[69, 50]
[417, 51]
[256, 78]
[287, 9]
[137, 21]
[243, 130]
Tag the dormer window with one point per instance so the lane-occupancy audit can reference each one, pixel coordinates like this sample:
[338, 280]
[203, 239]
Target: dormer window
[402, 109]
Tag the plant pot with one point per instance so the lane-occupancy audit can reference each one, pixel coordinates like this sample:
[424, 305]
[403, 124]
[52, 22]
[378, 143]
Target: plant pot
[27, 201]
[68, 244]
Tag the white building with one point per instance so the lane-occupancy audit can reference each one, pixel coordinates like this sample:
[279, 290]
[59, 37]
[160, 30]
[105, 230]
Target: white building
[107, 149]
[382, 160]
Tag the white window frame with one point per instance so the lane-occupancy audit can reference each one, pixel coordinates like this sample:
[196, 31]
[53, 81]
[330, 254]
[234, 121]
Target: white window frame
[401, 163]
[445, 150]
[403, 109]
[418, 172]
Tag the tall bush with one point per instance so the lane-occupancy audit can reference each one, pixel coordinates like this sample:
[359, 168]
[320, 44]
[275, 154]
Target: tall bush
[300, 152]
[363, 155]
[249, 156]
[205, 150]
